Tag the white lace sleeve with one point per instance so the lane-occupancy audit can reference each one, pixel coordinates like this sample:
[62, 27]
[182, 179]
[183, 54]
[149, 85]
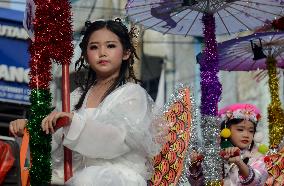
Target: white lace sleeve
[134, 109]
[96, 137]
[57, 136]
[121, 124]
[57, 147]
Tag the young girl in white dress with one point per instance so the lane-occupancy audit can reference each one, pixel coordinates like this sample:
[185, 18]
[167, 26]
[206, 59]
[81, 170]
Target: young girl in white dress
[111, 134]
[243, 164]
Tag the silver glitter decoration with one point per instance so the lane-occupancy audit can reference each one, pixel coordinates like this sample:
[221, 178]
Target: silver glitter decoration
[176, 96]
[210, 126]
[210, 148]
[194, 140]
[212, 164]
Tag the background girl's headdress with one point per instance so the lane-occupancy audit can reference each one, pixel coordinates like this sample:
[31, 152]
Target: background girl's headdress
[240, 111]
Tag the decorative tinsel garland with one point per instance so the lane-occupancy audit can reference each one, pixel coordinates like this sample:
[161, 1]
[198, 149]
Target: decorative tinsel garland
[275, 112]
[53, 40]
[211, 90]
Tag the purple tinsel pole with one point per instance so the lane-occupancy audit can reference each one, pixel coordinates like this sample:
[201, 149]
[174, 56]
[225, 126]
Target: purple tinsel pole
[210, 86]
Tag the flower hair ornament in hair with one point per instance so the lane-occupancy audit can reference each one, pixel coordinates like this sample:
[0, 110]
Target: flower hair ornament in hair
[133, 31]
[240, 111]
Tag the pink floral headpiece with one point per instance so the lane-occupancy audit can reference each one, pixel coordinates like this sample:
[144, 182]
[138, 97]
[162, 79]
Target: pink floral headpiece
[240, 111]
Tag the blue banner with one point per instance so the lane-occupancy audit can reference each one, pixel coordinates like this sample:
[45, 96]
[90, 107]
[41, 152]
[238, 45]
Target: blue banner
[14, 58]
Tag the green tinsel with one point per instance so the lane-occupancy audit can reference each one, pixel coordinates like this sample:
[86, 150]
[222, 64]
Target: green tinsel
[40, 148]
[226, 144]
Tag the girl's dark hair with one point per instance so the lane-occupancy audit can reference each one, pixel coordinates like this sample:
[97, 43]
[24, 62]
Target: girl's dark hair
[126, 70]
[231, 122]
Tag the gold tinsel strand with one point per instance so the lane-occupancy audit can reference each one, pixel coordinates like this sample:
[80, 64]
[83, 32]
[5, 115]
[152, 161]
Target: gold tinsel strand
[275, 112]
[214, 183]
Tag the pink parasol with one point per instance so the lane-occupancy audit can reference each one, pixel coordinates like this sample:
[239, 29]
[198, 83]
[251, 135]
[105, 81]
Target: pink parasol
[237, 54]
[183, 17]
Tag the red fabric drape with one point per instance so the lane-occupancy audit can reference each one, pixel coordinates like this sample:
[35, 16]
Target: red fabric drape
[6, 160]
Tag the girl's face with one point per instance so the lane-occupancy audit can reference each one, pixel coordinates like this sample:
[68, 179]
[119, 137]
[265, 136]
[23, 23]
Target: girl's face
[242, 134]
[105, 53]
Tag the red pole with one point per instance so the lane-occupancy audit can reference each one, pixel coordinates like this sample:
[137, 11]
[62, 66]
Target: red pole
[66, 108]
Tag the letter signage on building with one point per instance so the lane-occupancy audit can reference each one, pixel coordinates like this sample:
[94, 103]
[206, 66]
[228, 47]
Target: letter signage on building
[14, 58]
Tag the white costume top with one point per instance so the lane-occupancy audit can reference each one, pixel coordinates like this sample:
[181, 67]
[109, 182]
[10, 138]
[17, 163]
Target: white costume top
[113, 143]
[256, 162]
[232, 176]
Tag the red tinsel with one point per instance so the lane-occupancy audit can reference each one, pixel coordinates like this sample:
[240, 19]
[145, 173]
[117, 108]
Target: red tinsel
[40, 71]
[266, 159]
[278, 24]
[53, 40]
